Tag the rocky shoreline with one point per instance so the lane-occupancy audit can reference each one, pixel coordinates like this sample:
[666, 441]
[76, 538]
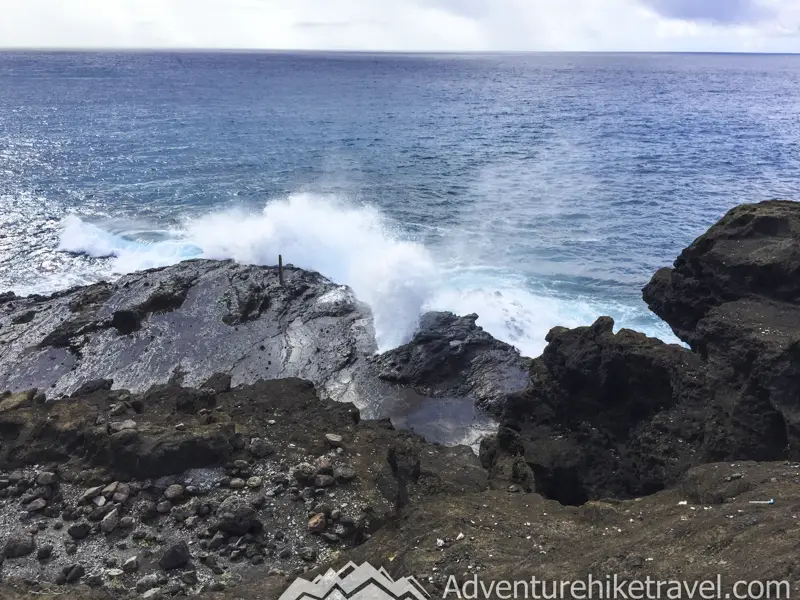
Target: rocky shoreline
[202, 429]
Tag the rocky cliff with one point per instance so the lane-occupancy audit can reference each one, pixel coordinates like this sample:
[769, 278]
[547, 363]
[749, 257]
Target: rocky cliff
[176, 432]
[621, 415]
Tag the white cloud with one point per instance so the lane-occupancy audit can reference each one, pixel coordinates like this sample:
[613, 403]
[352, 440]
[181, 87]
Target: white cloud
[627, 25]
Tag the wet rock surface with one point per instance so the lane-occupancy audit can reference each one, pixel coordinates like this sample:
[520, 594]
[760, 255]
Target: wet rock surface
[212, 325]
[186, 323]
[452, 356]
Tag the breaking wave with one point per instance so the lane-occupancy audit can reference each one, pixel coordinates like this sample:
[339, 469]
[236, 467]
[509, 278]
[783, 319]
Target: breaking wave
[353, 245]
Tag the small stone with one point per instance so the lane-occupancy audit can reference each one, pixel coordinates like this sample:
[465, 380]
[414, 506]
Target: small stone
[94, 580]
[344, 473]
[324, 466]
[99, 501]
[180, 427]
[114, 573]
[117, 426]
[307, 553]
[304, 472]
[44, 552]
[75, 573]
[126, 522]
[90, 493]
[164, 507]
[189, 577]
[236, 483]
[46, 478]
[110, 489]
[331, 538]
[216, 586]
[217, 541]
[174, 492]
[148, 582]
[131, 565]
[317, 523]
[18, 545]
[152, 594]
[110, 522]
[175, 557]
[79, 531]
[334, 440]
[255, 482]
[260, 448]
[70, 548]
[36, 505]
[322, 481]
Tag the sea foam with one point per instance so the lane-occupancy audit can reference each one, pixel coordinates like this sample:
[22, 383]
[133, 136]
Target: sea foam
[359, 247]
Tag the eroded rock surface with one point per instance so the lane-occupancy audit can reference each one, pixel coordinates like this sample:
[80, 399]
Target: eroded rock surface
[734, 296]
[606, 415]
[451, 356]
[186, 323]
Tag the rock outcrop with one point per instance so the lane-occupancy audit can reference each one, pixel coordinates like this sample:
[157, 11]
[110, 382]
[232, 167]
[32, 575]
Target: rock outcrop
[451, 356]
[185, 323]
[623, 415]
[238, 323]
[606, 415]
[734, 297]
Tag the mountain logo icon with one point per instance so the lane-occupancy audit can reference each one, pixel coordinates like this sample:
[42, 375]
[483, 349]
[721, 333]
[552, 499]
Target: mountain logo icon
[353, 582]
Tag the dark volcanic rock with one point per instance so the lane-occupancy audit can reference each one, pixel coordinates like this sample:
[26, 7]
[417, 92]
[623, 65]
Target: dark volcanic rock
[753, 252]
[606, 415]
[18, 545]
[175, 556]
[734, 296]
[236, 517]
[204, 320]
[452, 356]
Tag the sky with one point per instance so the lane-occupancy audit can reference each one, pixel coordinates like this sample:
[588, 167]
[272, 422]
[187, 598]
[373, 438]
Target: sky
[406, 25]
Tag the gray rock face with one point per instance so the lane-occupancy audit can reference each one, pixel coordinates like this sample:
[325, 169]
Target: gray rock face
[188, 321]
[218, 324]
[451, 356]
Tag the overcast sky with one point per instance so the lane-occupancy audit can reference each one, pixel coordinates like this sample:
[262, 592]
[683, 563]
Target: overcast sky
[686, 25]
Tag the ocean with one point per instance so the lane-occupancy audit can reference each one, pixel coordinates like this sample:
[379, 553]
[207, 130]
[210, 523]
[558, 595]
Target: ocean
[532, 189]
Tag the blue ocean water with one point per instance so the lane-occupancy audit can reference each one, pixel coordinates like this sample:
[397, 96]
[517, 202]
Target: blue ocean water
[536, 190]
